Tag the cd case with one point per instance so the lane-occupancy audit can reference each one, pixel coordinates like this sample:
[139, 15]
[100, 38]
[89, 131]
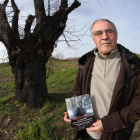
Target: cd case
[80, 111]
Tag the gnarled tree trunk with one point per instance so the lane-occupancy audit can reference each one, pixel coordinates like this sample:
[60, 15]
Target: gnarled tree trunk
[28, 56]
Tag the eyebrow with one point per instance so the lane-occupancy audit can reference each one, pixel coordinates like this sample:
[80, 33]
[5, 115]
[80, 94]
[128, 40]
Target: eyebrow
[102, 30]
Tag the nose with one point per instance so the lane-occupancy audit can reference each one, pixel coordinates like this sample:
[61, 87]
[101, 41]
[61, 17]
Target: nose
[104, 36]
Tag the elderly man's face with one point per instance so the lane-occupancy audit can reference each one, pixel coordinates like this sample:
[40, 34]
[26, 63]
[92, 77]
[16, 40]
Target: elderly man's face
[106, 43]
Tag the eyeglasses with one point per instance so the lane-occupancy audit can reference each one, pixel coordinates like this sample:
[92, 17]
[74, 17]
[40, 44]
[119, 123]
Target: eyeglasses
[99, 33]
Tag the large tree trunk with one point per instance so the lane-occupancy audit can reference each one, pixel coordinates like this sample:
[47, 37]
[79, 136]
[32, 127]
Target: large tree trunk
[29, 55]
[30, 81]
[30, 75]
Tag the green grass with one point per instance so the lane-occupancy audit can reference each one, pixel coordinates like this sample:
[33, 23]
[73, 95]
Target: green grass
[6, 108]
[62, 81]
[48, 127]
[138, 55]
[48, 123]
[5, 69]
[6, 99]
[43, 129]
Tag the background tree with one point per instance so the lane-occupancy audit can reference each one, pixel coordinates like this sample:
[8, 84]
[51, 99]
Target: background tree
[29, 52]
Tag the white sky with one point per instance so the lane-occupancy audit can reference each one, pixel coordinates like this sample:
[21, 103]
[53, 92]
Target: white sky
[123, 13]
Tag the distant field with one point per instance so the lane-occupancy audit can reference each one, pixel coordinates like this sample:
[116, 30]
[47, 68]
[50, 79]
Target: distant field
[18, 121]
[138, 55]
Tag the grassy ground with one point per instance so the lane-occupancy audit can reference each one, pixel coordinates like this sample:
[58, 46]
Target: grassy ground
[19, 122]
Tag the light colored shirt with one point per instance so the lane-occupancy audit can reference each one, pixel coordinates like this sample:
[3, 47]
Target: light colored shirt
[103, 79]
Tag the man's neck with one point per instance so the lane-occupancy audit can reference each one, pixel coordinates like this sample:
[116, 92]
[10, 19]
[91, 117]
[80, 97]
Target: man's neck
[108, 55]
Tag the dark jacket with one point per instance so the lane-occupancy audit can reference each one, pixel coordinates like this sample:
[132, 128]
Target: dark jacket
[125, 104]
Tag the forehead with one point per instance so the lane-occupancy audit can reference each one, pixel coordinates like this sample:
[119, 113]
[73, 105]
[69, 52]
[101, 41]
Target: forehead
[102, 25]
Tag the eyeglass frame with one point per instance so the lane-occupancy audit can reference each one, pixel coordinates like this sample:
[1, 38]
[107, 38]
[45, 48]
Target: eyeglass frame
[114, 31]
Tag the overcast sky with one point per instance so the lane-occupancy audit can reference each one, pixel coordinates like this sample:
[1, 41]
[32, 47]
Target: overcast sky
[124, 13]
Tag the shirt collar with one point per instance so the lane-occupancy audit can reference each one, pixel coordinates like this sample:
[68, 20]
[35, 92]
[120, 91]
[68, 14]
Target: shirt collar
[111, 55]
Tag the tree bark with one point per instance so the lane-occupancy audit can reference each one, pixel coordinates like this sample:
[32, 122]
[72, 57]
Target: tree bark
[30, 80]
[28, 56]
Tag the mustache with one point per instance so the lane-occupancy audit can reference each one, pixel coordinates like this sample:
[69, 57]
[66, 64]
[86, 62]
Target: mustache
[102, 42]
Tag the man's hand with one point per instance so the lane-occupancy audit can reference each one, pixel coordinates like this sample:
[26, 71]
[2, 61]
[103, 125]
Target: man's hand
[97, 127]
[66, 117]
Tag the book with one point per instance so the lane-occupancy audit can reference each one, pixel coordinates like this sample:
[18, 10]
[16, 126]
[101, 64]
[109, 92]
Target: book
[80, 111]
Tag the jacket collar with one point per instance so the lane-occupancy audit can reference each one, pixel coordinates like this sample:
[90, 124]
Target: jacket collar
[131, 60]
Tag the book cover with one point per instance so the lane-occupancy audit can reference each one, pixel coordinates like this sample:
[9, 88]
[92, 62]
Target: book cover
[80, 111]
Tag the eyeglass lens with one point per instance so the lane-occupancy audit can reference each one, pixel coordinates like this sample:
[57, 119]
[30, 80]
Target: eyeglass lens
[109, 32]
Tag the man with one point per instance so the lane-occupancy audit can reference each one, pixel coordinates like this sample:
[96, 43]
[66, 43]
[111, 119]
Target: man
[111, 75]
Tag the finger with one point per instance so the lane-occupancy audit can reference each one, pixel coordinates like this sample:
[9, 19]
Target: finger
[66, 117]
[95, 129]
[97, 123]
[66, 113]
[90, 129]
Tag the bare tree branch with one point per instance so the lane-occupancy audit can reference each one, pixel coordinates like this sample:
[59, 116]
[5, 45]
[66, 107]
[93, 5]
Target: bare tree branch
[15, 19]
[40, 11]
[76, 4]
[5, 2]
[61, 16]
[29, 22]
[2, 9]
[64, 4]
[63, 12]
[67, 41]
[48, 7]
[8, 13]
[5, 29]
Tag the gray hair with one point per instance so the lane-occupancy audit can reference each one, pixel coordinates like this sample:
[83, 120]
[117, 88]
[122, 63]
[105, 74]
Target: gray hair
[106, 21]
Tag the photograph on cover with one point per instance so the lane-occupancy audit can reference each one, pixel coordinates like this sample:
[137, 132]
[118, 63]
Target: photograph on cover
[79, 107]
